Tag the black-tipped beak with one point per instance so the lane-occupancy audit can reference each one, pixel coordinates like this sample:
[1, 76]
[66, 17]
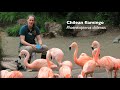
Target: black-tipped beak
[69, 48]
[92, 48]
[99, 55]
[19, 57]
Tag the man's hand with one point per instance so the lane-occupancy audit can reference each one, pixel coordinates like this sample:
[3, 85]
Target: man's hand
[33, 46]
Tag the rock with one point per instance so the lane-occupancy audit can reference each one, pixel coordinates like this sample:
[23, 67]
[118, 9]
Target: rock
[117, 39]
[49, 35]
[53, 27]
[89, 30]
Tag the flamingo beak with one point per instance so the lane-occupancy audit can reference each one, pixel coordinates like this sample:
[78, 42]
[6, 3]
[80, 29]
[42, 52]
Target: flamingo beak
[92, 48]
[19, 57]
[69, 48]
[99, 55]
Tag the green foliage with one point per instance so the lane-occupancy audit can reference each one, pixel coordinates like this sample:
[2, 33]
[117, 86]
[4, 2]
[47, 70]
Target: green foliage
[13, 30]
[1, 52]
[43, 17]
[103, 16]
[110, 18]
[12, 17]
[7, 16]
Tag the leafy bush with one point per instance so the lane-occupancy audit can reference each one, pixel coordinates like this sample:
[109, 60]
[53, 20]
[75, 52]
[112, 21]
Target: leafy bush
[110, 18]
[12, 16]
[13, 30]
[1, 52]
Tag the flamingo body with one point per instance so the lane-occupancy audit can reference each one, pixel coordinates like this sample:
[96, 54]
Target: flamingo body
[83, 58]
[36, 64]
[45, 72]
[56, 54]
[11, 74]
[65, 71]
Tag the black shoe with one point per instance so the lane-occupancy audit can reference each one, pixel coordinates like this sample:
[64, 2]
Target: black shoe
[20, 66]
[43, 56]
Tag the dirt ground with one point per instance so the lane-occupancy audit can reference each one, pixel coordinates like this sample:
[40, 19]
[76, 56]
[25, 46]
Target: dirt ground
[10, 48]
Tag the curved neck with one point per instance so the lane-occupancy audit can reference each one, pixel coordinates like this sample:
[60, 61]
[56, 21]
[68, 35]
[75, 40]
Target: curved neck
[26, 60]
[83, 74]
[75, 53]
[96, 57]
[47, 58]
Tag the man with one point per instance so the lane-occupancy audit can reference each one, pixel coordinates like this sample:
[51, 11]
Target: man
[28, 33]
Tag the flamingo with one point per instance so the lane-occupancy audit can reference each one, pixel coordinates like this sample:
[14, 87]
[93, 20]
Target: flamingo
[83, 58]
[11, 74]
[95, 44]
[56, 54]
[88, 67]
[47, 72]
[108, 62]
[65, 70]
[36, 64]
[67, 63]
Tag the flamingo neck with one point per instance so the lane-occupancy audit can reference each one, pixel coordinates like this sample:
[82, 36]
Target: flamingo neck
[96, 57]
[48, 60]
[26, 60]
[75, 54]
[83, 74]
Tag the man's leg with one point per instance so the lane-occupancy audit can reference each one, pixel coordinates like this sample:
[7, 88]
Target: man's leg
[43, 50]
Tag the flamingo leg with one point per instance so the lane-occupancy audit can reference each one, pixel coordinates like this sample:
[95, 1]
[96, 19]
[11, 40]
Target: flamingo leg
[91, 75]
[115, 73]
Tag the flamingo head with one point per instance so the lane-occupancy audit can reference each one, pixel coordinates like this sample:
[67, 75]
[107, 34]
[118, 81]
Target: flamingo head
[23, 52]
[73, 45]
[95, 44]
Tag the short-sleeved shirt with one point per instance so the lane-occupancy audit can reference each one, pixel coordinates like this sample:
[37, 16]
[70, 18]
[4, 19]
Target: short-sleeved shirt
[29, 35]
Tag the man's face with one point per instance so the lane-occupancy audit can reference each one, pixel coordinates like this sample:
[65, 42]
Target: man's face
[31, 21]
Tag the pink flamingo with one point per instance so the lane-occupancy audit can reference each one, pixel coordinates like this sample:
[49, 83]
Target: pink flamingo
[83, 58]
[67, 63]
[88, 67]
[108, 62]
[11, 74]
[47, 72]
[36, 64]
[56, 54]
[65, 70]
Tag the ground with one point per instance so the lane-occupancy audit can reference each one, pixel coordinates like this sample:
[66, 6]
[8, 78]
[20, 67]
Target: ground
[10, 48]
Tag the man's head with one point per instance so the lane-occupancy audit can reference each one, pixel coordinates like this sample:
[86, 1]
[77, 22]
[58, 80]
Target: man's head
[31, 20]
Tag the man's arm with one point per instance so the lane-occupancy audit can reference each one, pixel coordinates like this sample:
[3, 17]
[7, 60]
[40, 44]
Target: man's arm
[38, 37]
[22, 40]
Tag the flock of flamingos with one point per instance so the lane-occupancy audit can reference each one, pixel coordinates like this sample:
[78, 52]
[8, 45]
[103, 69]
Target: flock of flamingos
[45, 67]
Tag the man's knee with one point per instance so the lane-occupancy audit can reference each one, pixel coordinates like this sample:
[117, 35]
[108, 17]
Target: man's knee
[45, 47]
[28, 48]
